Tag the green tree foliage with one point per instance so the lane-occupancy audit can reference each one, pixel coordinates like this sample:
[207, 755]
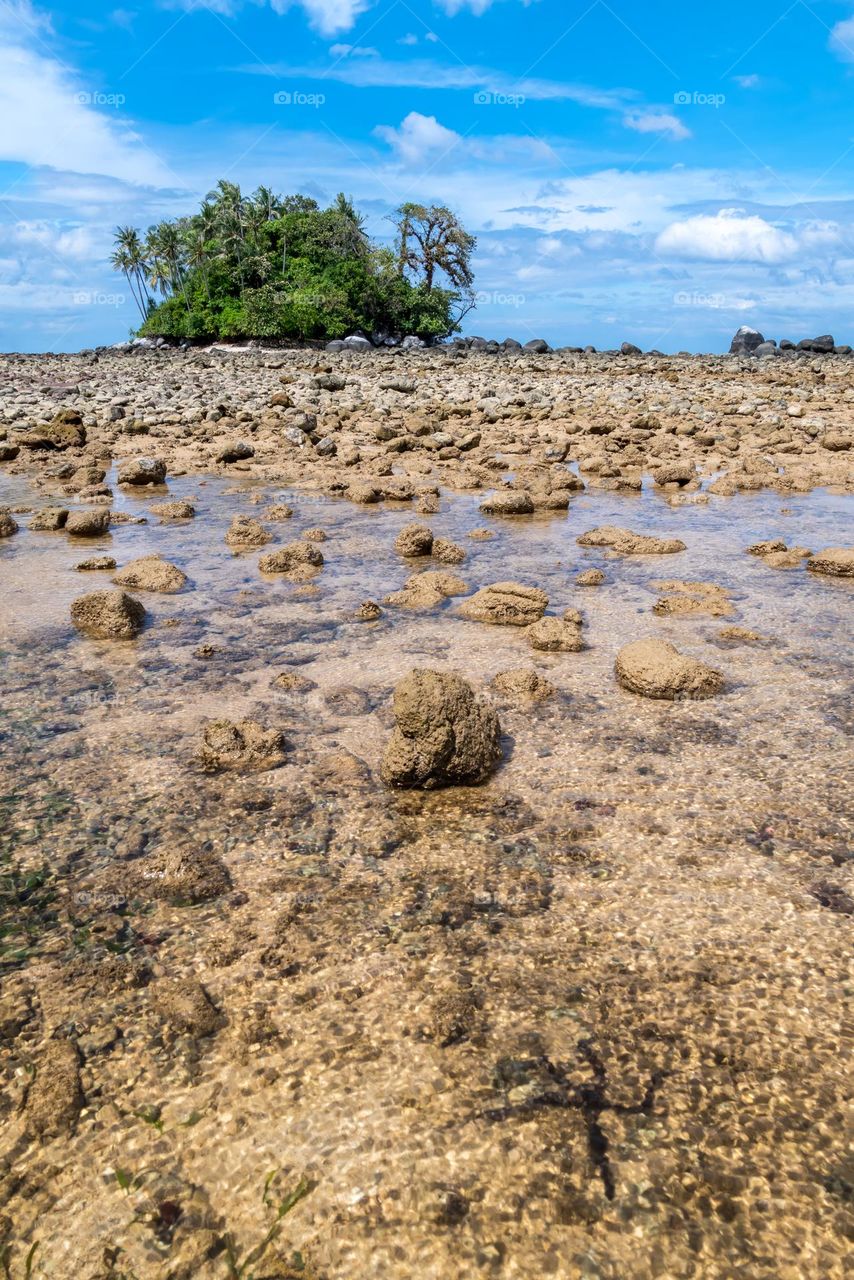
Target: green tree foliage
[265, 266]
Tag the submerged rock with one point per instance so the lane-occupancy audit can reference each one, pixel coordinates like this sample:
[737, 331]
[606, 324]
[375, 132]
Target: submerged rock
[179, 510]
[151, 573]
[508, 604]
[627, 543]
[95, 563]
[88, 524]
[447, 552]
[49, 520]
[556, 635]
[141, 471]
[835, 562]
[590, 578]
[8, 525]
[245, 745]
[246, 532]
[368, 611]
[414, 540]
[513, 502]
[425, 590]
[295, 557]
[55, 1097]
[655, 668]
[444, 735]
[108, 615]
[523, 684]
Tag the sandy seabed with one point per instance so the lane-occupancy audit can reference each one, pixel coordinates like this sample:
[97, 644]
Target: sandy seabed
[587, 1019]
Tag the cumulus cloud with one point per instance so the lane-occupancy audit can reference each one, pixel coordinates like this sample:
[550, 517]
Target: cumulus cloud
[60, 121]
[658, 122]
[418, 137]
[728, 236]
[842, 39]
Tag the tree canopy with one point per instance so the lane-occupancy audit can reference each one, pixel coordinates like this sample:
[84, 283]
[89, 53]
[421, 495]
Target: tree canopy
[267, 266]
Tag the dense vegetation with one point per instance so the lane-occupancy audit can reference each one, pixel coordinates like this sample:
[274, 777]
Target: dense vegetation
[263, 266]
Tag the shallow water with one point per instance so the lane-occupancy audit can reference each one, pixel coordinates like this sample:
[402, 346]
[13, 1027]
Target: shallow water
[641, 917]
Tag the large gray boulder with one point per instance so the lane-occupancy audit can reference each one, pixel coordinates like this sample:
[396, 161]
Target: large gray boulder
[444, 735]
[746, 341]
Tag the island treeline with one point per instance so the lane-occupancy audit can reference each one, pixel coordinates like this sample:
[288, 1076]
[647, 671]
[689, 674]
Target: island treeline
[266, 266]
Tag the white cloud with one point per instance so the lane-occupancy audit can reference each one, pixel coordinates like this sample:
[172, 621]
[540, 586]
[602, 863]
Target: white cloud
[418, 137]
[658, 122]
[353, 51]
[729, 236]
[842, 39]
[57, 120]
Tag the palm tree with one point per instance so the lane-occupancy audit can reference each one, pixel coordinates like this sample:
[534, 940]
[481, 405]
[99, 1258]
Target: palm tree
[129, 257]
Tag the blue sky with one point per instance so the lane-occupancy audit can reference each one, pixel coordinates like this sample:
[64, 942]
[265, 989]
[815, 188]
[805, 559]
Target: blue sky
[660, 173]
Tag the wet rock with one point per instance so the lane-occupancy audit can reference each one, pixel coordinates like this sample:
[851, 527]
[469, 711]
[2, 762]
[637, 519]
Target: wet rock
[444, 735]
[426, 590]
[791, 558]
[49, 520]
[314, 535]
[674, 473]
[482, 535]
[834, 562]
[141, 471]
[590, 578]
[245, 745]
[556, 635]
[655, 668]
[108, 615]
[447, 552]
[741, 635]
[507, 604]
[513, 502]
[88, 524]
[9, 452]
[95, 563]
[180, 510]
[60, 434]
[523, 684]
[368, 611]
[414, 540]
[364, 494]
[293, 682]
[684, 598]
[627, 543]
[346, 700]
[295, 557]
[766, 548]
[453, 1017]
[278, 512]
[246, 532]
[8, 525]
[55, 1098]
[186, 1007]
[235, 451]
[151, 573]
[185, 876]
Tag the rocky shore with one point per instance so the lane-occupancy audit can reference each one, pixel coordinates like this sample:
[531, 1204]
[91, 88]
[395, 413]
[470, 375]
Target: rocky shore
[425, 821]
[393, 425]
